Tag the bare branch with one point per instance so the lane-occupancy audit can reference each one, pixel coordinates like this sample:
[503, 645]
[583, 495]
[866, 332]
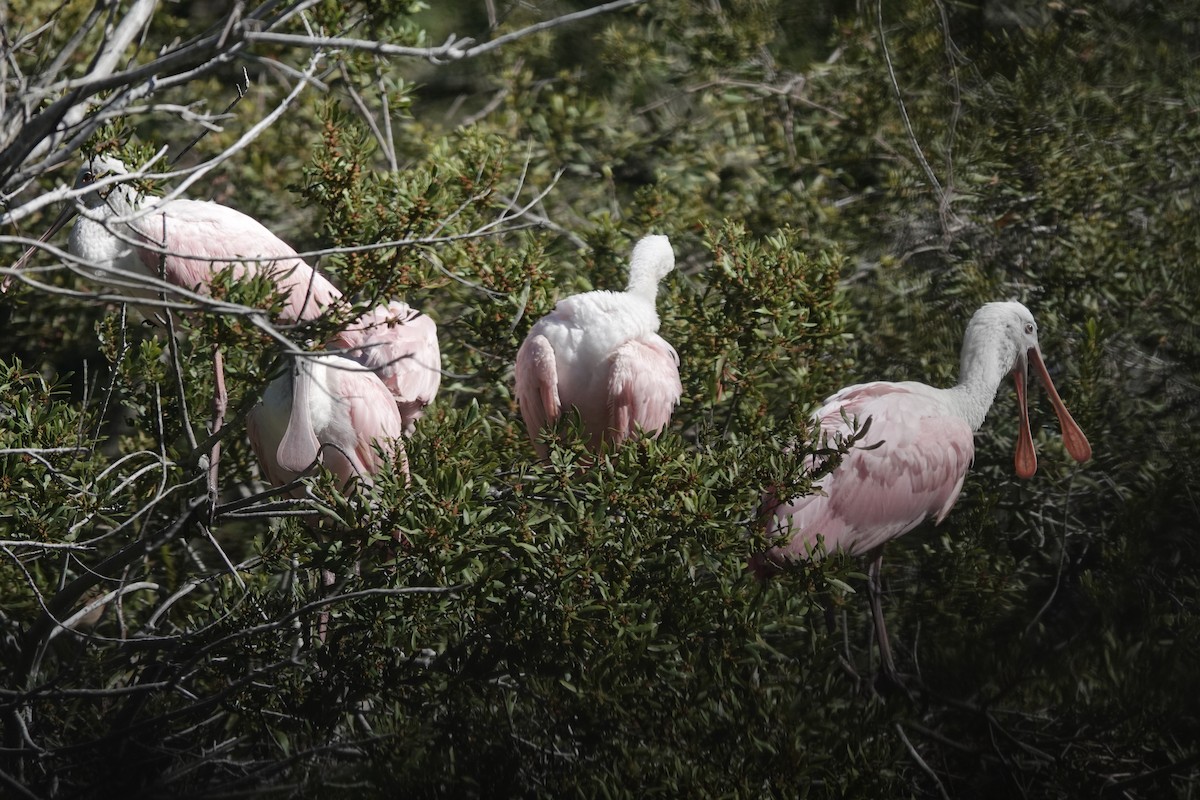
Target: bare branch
[453, 49]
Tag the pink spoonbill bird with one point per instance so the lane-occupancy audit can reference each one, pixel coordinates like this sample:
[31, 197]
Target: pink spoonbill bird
[911, 463]
[124, 236]
[400, 345]
[601, 353]
[328, 408]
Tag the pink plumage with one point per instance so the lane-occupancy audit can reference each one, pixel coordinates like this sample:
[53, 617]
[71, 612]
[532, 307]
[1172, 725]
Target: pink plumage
[329, 409]
[911, 462]
[400, 345]
[914, 458]
[123, 236]
[326, 408]
[193, 239]
[600, 353]
[909, 466]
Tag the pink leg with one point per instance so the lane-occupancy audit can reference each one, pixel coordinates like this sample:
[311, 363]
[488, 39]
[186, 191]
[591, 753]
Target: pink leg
[328, 579]
[220, 404]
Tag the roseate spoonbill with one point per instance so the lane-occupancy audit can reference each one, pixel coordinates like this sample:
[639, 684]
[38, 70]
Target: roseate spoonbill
[123, 235]
[332, 409]
[600, 352]
[911, 463]
[328, 408]
[400, 345]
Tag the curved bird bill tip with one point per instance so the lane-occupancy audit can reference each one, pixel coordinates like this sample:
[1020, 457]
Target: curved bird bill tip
[1025, 460]
[1076, 443]
[299, 448]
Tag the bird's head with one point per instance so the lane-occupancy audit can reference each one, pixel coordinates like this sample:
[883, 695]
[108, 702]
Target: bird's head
[92, 171]
[1012, 329]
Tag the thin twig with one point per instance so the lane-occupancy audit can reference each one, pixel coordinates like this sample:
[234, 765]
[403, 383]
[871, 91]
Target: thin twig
[912, 751]
[453, 49]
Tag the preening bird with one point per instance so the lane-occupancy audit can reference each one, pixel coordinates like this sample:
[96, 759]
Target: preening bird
[123, 236]
[912, 462]
[400, 345]
[601, 353]
[329, 408]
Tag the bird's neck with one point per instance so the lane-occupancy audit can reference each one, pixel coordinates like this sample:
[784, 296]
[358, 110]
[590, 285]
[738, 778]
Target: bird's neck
[643, 286]
[980, 375]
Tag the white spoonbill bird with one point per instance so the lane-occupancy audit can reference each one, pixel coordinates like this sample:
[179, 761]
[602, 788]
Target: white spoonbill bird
[601, 353]
[329, 408]
[400, 345]
[911, 463]
[121, 231]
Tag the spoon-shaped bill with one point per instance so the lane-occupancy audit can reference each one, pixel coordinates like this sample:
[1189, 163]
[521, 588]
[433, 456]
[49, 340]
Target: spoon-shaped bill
[299, 448]
[1025, 459]
[1076, 443]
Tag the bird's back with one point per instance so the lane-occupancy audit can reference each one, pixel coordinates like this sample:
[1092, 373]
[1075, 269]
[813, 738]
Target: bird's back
[585, 330]
[600, 353]
[191, 240]
[909, 466]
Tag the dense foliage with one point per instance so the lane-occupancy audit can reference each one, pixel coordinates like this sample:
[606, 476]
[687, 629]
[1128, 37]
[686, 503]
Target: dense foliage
[843, 185]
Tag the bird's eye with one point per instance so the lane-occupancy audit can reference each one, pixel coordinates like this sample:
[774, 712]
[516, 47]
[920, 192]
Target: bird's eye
[88, 177]
[1028, 328]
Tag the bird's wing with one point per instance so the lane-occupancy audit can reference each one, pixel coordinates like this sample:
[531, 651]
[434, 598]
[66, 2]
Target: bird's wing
[375, 420]
[401, 346]
[909, 466]
[202, 238]
[643, 387]
[409, 360]
[537, 387]
[415, 378]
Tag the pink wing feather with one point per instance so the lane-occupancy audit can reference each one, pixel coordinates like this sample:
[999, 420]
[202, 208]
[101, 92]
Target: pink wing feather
[877, 494]
[375, 421]
[202, 238]
[643, 387]
[537, 387]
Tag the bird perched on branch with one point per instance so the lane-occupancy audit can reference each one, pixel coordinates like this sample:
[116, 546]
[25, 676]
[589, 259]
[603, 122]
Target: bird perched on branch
[911, 462]
[600, 353]
[123, 237]
[330, 409]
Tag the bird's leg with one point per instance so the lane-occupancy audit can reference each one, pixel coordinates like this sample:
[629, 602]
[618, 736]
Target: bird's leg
[874, 593]
[220, 404]
[290, 589]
